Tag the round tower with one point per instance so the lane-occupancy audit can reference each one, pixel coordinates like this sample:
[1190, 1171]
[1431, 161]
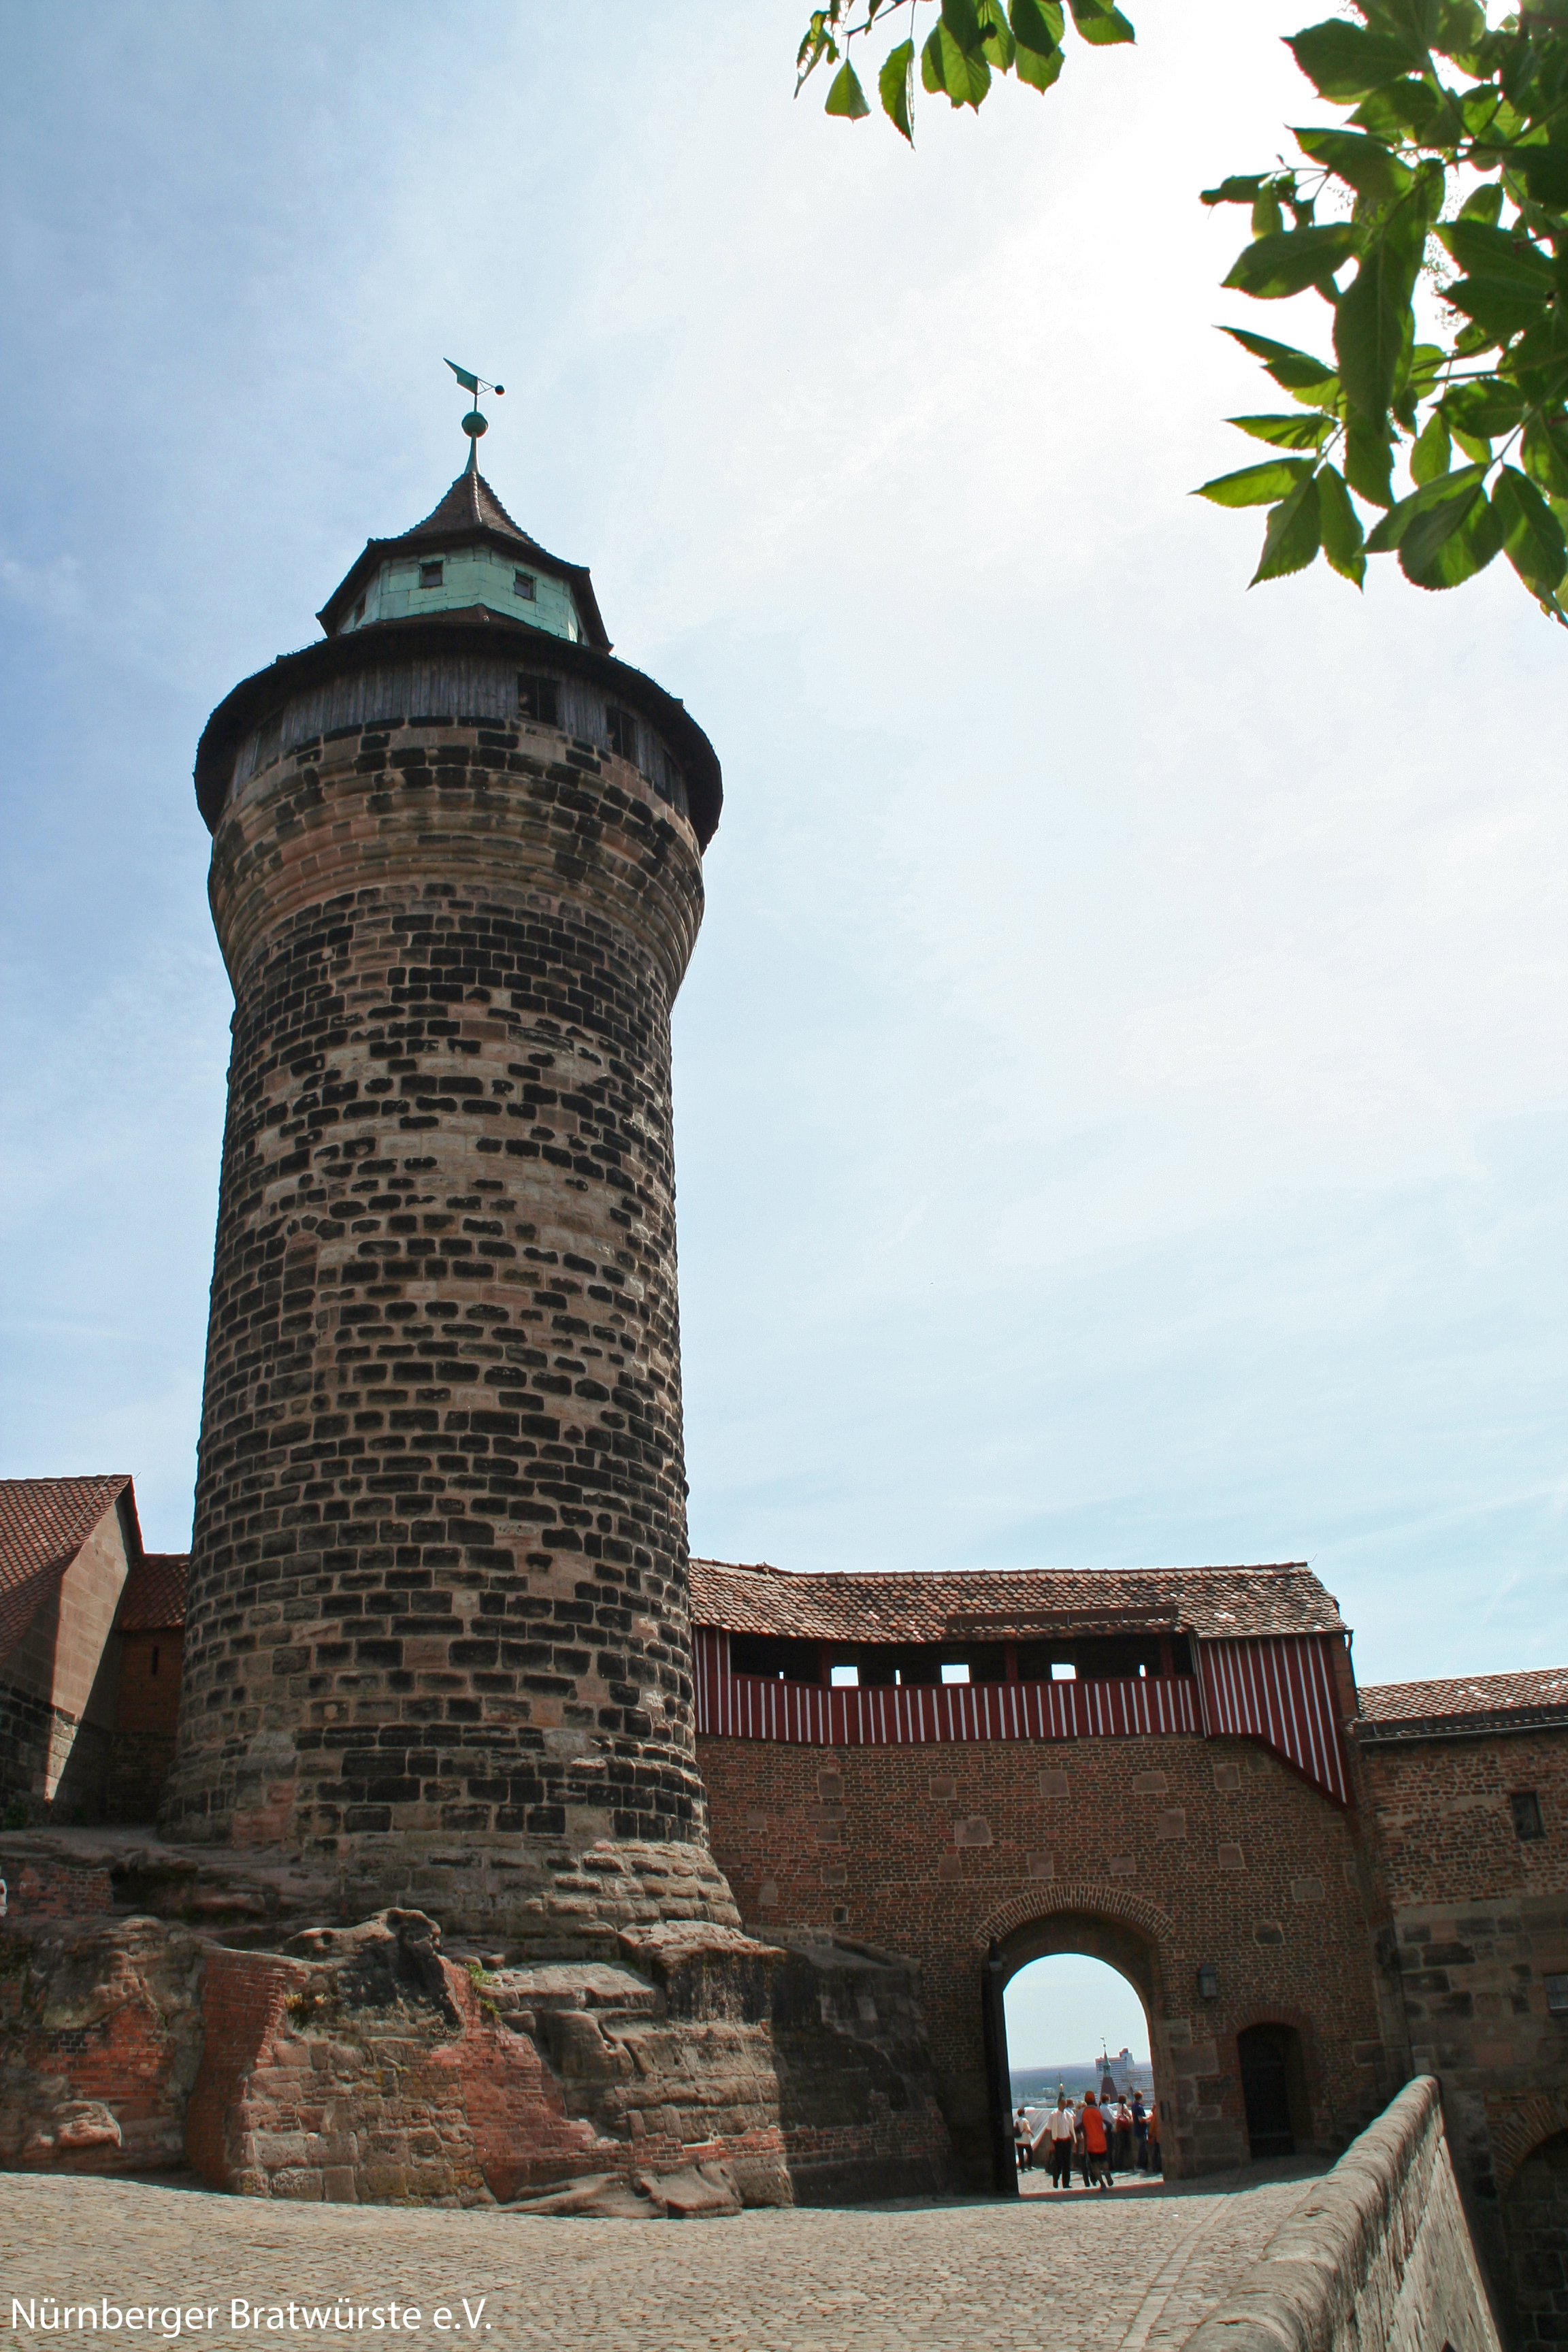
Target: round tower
[439, 1635]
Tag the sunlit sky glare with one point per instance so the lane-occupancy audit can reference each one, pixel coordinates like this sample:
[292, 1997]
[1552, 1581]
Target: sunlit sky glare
[1119, 1085]
[1063, 2009]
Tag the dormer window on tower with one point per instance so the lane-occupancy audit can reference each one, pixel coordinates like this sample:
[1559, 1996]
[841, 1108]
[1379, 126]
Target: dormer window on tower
[536, 698]
[524, 584]
[430, 574]
[623, 731]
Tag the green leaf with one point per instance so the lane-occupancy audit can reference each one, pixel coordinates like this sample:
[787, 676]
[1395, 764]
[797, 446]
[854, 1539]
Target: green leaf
[1237, 189]
[1311, 380]
[1039, 71]
[1391, 530]
[1531, 535]
[1545, 452]
[1433, 453]
[1374, 324]
[1545, 167]
[1344, 62]
[1268, 219]
[996, 34]
[1404, 109]
[1365, 164]
[1483, 204]
[1507, 281]
[1369, 460]
[1098, 22]
[897, 84]
[1449, 543]
[847, 97]
[1488, 406]
[1340, 526]
[1308, 432]
[964, 76]
[1293, 536]
[1278, 265]
[1039, 25]
[1256, 486]
[962, 18]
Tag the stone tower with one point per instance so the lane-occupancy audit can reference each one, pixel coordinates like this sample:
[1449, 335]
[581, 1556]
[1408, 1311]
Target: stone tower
[438, 1634]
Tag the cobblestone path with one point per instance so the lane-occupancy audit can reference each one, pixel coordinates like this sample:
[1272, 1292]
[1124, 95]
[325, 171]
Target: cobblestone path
[1130, 2272]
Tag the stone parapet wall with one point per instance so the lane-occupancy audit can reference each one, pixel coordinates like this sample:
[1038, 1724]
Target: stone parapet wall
[1156, 1855]
[438, 1625]
[1377, 2257]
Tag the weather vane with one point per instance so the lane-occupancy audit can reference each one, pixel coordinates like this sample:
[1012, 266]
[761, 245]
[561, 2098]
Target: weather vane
[473, 423]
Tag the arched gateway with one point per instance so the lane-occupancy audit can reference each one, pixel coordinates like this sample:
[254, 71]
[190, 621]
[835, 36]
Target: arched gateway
[1148, 1766]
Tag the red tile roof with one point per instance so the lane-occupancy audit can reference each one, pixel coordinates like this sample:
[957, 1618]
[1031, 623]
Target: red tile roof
[979, 1604]
[154, 1594]
[1393, 1710]
[44, 1523]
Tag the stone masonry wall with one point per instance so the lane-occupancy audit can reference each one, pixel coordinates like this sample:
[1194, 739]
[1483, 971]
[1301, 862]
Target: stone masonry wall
[1156, 1855]
[1481, 1921]
[1377, 2257]
[437, 1621]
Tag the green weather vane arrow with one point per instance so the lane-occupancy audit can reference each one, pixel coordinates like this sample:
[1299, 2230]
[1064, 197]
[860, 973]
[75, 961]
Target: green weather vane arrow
[473, 423]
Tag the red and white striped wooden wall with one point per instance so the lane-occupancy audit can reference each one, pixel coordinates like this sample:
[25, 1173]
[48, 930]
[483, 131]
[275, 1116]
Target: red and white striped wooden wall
[1279, 1691]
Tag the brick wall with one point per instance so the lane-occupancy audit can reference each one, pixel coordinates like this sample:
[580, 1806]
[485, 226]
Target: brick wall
[1481, 1915]
[146, 1722]
[437, 1613]
[100, 2042]
[1157, 1854]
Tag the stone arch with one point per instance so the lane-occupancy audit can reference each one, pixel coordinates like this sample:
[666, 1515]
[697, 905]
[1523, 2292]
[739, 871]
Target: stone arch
[1517, 2127]
[1084, 1898]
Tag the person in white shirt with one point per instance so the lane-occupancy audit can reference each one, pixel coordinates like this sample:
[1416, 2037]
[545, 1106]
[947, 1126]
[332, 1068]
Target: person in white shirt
[1063, 2128]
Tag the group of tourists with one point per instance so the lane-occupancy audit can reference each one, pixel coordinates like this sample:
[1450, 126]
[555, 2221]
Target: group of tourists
[1099, 2138]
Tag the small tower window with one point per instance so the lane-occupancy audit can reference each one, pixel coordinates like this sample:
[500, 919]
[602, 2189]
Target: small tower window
[536, 698]
[357, 615]
[623, 730]
[153, 1667]
[1525, 1807]
[524, 584]
[430, 574]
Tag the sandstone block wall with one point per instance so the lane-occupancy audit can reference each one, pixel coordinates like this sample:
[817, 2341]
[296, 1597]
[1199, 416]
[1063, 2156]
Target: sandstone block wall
[364, 2064]
[1377, 2257]
[1481, 1922]
[437, 1621]
[1156, 1855]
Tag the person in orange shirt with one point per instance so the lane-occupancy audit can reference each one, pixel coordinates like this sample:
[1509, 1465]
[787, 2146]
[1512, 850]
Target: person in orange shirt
[1094, 2142]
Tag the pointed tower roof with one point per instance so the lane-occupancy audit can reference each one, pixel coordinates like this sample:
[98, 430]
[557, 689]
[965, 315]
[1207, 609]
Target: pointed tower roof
[470, 513]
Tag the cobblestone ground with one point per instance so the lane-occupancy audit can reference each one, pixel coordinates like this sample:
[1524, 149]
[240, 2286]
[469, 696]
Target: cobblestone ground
[1133, 2271]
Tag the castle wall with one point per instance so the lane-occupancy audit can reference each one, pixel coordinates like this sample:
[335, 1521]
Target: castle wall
[1157, 1854]
[1481, 1915]
[437, 1623]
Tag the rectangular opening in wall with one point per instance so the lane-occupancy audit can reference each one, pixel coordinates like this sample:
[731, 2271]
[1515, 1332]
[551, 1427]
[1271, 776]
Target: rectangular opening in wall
[623, 732]
[775, 1658]
[1556, 1996]
[1525, 1807]
[844, 1677]
[430, 573]
[536, 700]
[955, 1673]
[524, 584]
[1064, 1673]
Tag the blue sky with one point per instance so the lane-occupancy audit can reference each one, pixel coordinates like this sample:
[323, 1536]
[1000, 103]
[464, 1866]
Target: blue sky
[1120, 1086]
[1066, 2007]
